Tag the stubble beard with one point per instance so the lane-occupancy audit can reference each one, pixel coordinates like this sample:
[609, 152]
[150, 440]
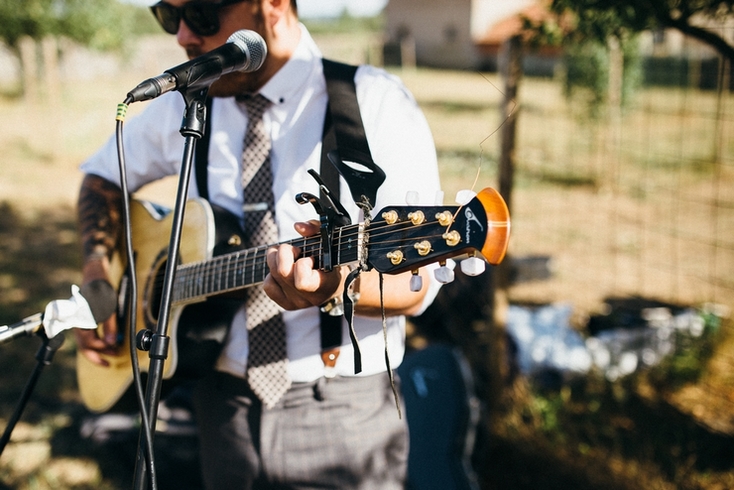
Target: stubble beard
[237, 82]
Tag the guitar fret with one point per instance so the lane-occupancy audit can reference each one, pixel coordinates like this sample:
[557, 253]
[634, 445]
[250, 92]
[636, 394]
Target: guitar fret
[199, 279]
[177, 288]
[257, 267]
[227, 272]
[217, 276]
[204, 278]
[190, 283]
[338, 246]
[208, 278]
[243, 270]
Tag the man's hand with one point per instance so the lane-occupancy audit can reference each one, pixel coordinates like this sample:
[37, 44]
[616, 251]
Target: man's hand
[293, 282]
[94, 343]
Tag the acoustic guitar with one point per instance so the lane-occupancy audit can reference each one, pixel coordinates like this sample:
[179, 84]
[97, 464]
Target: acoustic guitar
[213, 270]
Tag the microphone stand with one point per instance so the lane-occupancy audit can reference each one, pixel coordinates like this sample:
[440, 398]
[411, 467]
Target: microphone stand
[44, 356]
[156, 343]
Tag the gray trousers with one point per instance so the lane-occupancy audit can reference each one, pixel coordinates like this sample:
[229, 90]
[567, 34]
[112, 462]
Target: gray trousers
[343, 433]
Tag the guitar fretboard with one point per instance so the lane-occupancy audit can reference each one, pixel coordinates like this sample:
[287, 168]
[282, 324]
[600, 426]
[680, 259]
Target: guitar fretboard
[230, 272]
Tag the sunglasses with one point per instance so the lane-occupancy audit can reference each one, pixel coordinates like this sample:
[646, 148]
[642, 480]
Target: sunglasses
[201, 17]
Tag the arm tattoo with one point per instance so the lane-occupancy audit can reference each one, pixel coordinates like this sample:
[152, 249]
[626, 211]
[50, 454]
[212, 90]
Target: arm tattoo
[100, 216]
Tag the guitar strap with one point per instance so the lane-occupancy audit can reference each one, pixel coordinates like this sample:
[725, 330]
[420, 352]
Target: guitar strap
[343, 128]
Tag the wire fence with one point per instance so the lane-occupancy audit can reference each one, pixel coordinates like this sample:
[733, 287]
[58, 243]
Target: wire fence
[637, 203]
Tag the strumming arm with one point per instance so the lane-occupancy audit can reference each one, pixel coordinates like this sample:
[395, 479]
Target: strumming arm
[100, 225]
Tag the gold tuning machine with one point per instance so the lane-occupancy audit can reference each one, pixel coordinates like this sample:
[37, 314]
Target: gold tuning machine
[390, 217]
[417, 217]
[396, 257]
[444, 218]
[452, 238]
[423, 247]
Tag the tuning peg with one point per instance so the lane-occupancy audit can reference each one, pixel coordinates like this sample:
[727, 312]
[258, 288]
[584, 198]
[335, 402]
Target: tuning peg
[472, 266]
[463, 197]
[444, 274]
[411, 198]
[438, 198]
[416, 282]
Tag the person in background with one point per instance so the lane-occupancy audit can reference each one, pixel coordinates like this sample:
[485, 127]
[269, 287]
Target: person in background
[342, 432]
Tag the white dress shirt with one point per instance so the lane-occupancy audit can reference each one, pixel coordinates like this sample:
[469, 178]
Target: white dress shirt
[400, 142]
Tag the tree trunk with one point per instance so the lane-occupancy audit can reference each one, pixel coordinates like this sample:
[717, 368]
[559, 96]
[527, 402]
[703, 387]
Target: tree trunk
[29, 69]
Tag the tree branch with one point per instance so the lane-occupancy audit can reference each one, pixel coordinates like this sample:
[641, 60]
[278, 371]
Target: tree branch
[683, 24]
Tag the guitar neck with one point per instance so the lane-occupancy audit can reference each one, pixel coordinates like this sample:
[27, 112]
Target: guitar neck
[235, 271]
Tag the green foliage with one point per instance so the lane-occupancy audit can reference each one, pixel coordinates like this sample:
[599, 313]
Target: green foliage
[579, 21]
[100, 24]
[690, 357]
[587, 73]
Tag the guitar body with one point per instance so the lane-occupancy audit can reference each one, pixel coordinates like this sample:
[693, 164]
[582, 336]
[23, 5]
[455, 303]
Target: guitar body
[197, 329]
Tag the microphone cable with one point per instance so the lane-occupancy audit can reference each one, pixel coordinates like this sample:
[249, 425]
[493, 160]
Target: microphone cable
[133, 295]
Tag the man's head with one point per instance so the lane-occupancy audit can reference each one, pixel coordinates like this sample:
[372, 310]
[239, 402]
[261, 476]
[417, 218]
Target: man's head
[202, 25]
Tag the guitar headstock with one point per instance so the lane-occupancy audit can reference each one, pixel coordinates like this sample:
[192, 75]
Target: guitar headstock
[405, 238]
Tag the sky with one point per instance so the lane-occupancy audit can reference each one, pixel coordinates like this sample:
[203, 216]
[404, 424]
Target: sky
[322, 8]
[330, 8]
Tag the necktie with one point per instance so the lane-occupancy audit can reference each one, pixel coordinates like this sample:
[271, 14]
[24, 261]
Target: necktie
[266, 364]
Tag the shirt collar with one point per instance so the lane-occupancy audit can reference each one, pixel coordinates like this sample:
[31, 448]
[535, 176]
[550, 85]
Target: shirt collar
[291, 78]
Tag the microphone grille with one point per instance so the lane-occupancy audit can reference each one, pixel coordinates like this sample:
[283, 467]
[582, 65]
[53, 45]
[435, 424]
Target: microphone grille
[253, 45]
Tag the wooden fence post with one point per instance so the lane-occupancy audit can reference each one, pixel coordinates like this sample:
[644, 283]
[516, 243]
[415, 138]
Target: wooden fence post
[511, 70]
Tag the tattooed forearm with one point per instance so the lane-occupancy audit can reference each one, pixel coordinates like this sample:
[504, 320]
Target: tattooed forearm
[100, 216]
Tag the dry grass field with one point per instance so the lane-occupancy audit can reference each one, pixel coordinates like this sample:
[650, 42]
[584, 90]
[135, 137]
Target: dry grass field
[570, 203]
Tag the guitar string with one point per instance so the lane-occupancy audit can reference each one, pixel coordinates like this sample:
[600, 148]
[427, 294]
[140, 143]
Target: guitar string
[194, 276]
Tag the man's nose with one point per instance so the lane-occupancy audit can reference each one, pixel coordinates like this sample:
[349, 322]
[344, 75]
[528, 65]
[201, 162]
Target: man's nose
[186, 37]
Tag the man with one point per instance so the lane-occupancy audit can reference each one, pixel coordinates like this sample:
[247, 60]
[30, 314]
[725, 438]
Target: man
[344, 432]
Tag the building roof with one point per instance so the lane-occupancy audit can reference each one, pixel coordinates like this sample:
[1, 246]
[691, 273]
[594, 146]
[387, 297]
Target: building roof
[500, 31]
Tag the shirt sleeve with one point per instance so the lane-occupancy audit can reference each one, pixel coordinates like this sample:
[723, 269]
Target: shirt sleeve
[153, 147]
[401, 144]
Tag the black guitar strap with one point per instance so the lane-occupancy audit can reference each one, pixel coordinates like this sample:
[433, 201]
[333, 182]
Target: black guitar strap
[343, 128]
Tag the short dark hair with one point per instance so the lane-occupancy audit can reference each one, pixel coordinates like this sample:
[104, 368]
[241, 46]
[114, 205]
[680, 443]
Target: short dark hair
[294, 7]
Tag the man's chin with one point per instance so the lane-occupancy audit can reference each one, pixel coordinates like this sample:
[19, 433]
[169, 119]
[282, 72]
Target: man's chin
[233, 84]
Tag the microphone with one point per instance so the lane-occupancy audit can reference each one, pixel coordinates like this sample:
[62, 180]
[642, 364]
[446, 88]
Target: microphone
[87, 307]
[244, 51]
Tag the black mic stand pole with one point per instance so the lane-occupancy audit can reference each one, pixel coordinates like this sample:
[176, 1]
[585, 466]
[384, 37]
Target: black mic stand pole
[44, 356]
[192, 128]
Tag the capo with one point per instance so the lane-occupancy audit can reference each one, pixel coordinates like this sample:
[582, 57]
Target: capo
[332, 215]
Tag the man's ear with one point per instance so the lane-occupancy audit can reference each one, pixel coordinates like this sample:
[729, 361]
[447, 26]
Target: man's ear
[274, 10]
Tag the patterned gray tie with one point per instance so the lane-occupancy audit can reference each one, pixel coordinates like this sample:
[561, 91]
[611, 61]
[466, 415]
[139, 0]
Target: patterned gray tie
[267, 364]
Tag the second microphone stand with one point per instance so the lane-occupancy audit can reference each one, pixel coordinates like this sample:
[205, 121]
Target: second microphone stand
[157, 343]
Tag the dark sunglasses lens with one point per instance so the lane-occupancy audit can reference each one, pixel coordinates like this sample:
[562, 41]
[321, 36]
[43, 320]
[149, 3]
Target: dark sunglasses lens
[203, 19]
[167, 16]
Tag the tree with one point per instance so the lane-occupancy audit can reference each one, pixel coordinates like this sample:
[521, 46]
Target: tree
[98, 24]
[601, 19]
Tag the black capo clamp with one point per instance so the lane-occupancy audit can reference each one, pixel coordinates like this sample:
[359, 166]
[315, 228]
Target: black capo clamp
[363, 178]
[332, 215]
